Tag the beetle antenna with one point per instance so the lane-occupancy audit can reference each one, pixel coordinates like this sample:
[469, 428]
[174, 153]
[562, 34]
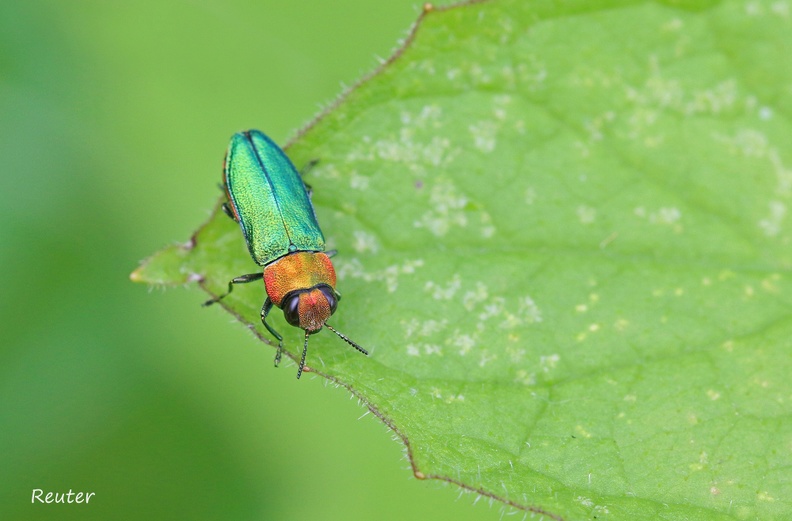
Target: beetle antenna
[305, 352]
[345, 339]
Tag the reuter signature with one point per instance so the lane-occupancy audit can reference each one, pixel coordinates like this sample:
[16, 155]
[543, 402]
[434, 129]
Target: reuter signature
[61, 497]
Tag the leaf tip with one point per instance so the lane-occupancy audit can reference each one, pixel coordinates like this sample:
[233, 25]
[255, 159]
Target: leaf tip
[167, 267]
[137, 275]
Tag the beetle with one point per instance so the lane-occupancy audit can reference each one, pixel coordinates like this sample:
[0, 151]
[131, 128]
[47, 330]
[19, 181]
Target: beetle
[267, 197]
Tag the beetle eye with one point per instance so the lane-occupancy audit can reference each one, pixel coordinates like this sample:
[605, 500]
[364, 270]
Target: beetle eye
[329, 294]
[291, 309]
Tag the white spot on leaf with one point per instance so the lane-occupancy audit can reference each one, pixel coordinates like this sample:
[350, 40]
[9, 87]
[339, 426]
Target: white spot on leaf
[365, 242]
[463, 341]
[549, 362]
[484, 133]
[449, 207]
[586, 214]
[472, 298]
[771, 225]
[530, 196]
[664, 216]
[358, 182]
[446, 292]
[390, 275]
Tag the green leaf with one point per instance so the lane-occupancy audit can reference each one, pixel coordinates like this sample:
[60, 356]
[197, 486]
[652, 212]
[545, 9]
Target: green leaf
[563, 233]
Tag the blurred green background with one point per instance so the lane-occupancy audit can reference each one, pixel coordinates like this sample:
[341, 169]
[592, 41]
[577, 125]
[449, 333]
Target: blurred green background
[114, 117]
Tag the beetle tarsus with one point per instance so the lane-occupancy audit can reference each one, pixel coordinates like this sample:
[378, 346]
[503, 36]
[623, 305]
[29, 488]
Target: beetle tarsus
[242, 279]
[227, 210]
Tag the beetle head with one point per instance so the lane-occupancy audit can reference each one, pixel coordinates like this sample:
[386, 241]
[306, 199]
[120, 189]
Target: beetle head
[309, 309]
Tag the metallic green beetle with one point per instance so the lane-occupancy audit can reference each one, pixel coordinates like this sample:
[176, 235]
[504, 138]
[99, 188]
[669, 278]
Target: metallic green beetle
[269, 200]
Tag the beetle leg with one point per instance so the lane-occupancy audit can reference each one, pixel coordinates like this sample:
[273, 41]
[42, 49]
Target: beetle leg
[331, 253]
[307, 168]
[265, 309]
[227, 210]
[242, 279]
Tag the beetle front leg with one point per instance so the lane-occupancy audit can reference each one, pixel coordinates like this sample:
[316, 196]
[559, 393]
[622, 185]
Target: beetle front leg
[242, 279]
[265, 309]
